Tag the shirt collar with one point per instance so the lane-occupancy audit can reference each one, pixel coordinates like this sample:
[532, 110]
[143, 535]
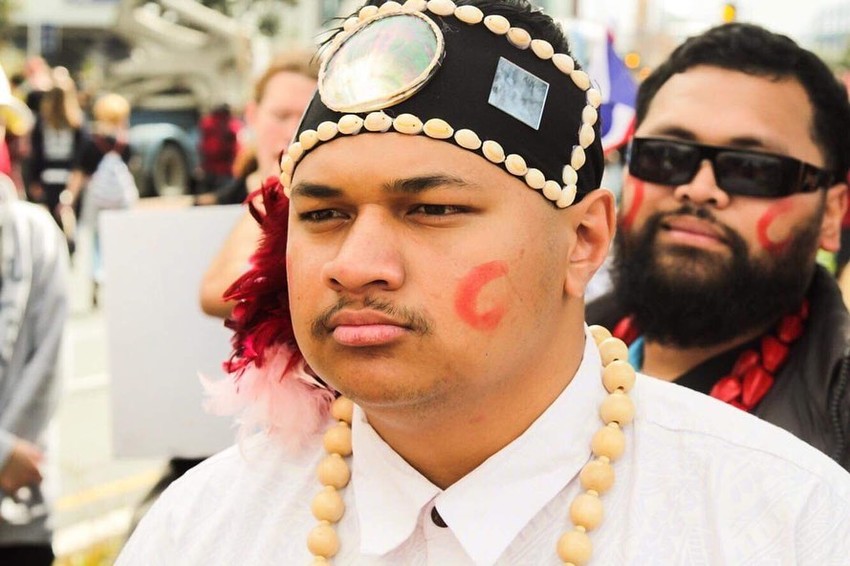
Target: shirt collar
[489, 507]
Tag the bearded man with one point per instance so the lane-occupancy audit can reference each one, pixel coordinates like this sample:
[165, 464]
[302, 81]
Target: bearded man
[737, 176]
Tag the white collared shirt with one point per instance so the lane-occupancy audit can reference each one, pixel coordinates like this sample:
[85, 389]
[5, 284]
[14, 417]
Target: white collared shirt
[700, 483]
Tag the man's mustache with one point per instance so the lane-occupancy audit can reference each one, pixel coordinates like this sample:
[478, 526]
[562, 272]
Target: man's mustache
[405, 316]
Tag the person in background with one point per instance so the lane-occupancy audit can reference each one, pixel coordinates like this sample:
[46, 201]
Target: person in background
[100, 177]
[55, 142]
[218, 146]
[411, 359]
[280, 96]
[33, 312]
[737, 175]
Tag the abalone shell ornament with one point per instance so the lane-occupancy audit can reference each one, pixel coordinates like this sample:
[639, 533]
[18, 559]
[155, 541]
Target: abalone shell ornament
[381, 63]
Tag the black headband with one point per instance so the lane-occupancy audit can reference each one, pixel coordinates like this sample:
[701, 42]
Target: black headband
[494, 91]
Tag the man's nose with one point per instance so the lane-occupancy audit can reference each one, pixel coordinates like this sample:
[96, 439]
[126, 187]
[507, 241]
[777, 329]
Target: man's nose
[703, 189]
[369, 257]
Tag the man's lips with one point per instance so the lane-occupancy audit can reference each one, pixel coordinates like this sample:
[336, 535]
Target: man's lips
[689, 230]
[365, 328]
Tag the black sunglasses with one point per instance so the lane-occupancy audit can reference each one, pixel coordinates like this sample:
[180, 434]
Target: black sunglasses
[737, 171]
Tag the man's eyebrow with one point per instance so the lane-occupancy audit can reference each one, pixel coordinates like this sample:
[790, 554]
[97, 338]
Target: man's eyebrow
[315, 190]
[410, 185]
[415, 185]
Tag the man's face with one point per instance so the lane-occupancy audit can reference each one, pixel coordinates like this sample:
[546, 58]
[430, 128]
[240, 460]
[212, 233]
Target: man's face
[274, 119]
[420, 273]
[696, 236]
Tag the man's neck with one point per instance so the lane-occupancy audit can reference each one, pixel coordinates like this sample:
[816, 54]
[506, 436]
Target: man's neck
[669, 362]
[447, 440]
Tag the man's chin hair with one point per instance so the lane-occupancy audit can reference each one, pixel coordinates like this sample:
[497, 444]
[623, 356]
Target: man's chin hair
[692, 298]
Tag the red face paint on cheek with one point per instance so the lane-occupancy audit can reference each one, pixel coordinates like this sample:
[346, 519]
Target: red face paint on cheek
[767, 219]
[468, 291]
[638, 189]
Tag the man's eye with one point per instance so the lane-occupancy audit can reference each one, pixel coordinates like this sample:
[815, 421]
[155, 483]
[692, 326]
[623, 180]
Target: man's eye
[437, 209]
[319, 215]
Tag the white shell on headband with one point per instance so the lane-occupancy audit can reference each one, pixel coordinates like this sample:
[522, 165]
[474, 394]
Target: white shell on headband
[569, 176]
[578, 157]
[516, 165]
[497, 24]
[542, 48]
[390, 7]
[367, 12]
[493, 151]
[519, 38]
[350, 124]
[565, 63]
[468, 139]
[414, 6]
[586, 135]
[469, 14]
[438, 129]
[308, 139]
[377, 122]
[535, 178]
[327, 130]
[441, 7]
[552, 190]
[589, 115]
[568, 196]
[407, 124]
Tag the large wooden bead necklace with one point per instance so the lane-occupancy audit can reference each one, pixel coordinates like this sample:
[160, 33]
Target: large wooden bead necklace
[596, 477]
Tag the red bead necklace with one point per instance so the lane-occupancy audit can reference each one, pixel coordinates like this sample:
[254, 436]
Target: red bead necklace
[752, 375]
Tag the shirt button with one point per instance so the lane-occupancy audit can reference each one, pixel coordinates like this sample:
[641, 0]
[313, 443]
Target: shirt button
[436, 519]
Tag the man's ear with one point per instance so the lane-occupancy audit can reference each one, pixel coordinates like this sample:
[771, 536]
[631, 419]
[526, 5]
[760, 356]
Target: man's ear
[594, 222]
[833, 214]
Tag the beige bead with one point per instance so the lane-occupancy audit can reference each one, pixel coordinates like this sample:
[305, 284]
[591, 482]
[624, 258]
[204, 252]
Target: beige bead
[342, 409]
[613, 349]
[377, 122]
[337, 439]
[578, 158]
[320, 561]
[586, 511]
[568, 196]
[619, 374]
[589, 115]
[564, 62]
[327, 130]
[575, 548]
[328, 505]
[469, 14]
[350, 24]
[390, 7]
[438, 129]
[493, 151]
[594, 97]
[414, 6]
[407, 124]
[295, 151]
[323, 540]
[350, 124]
[497, 24]
[515, 165]
[308, 139]
[581, 79]
[285, 180]
[586, 135]
[599, 333]
[535, 178]
[334, 471]
[552, 190]
[569, 175]
[597, 475]
[287, 164]
[519, 38]
[468, 139]
[367, 12]
[617, 408]
[609, 441]
[542, 48]
[441, 7]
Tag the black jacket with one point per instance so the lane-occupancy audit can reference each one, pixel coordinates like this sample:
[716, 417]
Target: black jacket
[811, 395]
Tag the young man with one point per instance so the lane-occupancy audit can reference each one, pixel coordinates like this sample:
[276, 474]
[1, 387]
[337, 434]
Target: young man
[430, 266]
[737, 176]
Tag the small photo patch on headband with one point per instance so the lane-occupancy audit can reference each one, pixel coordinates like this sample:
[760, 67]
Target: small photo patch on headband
[518, 93]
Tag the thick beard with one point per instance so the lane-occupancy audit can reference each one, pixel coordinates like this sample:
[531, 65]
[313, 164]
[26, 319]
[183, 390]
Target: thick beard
[693, 298]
